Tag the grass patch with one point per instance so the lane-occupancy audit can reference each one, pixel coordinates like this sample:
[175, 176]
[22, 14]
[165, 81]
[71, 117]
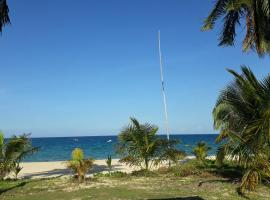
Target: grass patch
[189, 168]
[159, 187]
[191, 180]
[11, 184]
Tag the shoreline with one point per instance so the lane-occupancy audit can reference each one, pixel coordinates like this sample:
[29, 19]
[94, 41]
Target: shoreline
[58, 168]
[51, 169]
[115, 135]
[114, 158]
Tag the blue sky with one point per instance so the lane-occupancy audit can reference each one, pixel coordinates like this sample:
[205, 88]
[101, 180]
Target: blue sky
[84, 67]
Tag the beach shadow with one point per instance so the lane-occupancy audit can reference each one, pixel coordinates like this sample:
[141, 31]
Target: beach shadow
[46, 174]
[98, 168]
[62, 172]
[181, 198]
[21, 184]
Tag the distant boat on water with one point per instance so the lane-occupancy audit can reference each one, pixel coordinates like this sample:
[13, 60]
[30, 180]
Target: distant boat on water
[99, 148]
[109, 141]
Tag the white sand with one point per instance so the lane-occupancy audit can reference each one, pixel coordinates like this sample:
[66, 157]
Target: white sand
[58, 168]
[54, 169]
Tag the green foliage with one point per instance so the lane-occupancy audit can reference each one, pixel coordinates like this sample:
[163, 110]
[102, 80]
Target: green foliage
[17, 169]
[169, 153]
[77, 154]
[242, 115]
[4, 17]
[201, 151]
[109, 163]
[79, 165]
[139, 145]
[188, 168]
[254, 13]
[143, 173]
[116, 174]
[12, 152]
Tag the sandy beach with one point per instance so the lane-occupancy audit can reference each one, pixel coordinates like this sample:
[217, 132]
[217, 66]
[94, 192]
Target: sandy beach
[58, 168]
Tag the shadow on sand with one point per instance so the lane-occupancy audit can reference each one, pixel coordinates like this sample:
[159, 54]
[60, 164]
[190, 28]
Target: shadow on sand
[104, 168]
[47, 174]
[63, 172]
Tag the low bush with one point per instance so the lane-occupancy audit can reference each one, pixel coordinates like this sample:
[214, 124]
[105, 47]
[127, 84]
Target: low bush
[144, 173]
[79, 165]
[190, 167]
[116, 174]
[186, 169]
[109, 163]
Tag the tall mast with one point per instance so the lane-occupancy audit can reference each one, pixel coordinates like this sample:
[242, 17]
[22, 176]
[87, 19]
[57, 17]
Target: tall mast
[162, 85]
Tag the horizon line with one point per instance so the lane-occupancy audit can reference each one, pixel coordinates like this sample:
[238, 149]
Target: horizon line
[117, 135]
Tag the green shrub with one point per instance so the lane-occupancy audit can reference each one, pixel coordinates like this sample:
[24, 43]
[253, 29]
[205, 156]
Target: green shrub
[187, 170]
[109, 163]
[191, 167]
[78, 164]
[13, 152]
[140, 146]
[77, 154]
[241, 115]
[201, 151]
[144, 173]
[17, 169]
[116, 174]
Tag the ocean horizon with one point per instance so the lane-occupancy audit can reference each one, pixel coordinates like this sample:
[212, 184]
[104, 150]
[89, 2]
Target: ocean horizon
[99, 147]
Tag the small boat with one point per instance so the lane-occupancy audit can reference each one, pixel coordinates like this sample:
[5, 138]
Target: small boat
[76, 140]
[109, 141]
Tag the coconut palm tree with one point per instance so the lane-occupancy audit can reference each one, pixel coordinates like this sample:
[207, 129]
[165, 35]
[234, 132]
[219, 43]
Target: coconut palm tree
[12, 152]
[255, 14]
[139, 145]
[201, 151]
[242, 115]
[109, 163]
[4, 18]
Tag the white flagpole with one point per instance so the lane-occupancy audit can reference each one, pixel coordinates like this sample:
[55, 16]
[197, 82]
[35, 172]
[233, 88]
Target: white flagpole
[162, 84]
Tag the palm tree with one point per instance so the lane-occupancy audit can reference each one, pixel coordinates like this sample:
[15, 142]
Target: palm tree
[242, 115]
[4, 18]
[78, 164]
[139, 145]
[254, 13]
[12, 152]
[109, 163]
[201, 151]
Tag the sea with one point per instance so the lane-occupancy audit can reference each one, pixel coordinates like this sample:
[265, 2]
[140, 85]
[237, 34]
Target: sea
[100, 147]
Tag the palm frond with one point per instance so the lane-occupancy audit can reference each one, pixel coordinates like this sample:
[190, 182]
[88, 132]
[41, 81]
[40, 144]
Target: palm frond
[228, 33]
[139, 145]
[257, 17]
[219, 10]
[242, 115]
[4, 17]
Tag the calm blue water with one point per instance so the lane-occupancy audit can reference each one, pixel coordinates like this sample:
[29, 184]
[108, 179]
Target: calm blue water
[60, 148]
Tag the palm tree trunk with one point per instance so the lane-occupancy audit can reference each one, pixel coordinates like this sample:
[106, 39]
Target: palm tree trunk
[146, 161]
